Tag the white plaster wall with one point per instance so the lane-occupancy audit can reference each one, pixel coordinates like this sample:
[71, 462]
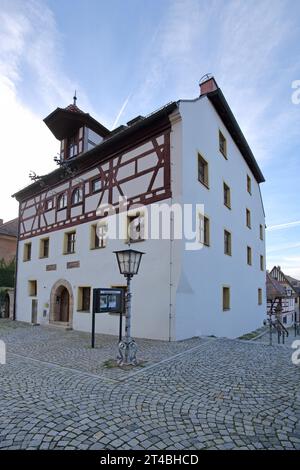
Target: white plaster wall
[204, 272]
[98, 268]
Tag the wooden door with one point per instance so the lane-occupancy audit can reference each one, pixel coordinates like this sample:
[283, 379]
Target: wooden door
[64, 305]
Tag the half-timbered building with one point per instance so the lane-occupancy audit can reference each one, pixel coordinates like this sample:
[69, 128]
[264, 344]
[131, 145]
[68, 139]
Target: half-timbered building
[289, 304]
[187, 152]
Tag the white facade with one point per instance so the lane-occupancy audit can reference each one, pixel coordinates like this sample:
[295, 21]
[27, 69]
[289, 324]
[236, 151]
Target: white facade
[177, 293]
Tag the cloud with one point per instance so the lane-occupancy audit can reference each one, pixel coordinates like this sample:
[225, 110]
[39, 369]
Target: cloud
[30, 52]
[282, 247]
[295, 223]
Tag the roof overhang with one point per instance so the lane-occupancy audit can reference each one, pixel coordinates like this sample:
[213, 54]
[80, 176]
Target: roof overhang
[64, 123]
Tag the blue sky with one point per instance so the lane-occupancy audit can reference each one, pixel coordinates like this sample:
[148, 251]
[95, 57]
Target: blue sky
[129, 57]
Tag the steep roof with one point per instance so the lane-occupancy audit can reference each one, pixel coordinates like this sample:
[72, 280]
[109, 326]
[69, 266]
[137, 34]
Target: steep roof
[283, 279]
[295, 283]
[10, 228]
[274, 288]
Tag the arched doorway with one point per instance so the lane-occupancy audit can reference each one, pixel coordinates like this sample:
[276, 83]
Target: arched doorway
[61, 303]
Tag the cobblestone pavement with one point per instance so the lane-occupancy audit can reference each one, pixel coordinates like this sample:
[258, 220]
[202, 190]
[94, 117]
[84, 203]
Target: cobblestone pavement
[206, 394]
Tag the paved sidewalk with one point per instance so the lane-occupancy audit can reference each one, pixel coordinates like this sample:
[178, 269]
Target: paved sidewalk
[213, 394]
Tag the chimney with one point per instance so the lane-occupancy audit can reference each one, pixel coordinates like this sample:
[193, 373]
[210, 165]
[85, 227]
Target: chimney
[1, 221]
[207, 84]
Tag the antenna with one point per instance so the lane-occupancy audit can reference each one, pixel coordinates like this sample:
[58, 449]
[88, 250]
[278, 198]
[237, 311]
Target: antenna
[74, 98]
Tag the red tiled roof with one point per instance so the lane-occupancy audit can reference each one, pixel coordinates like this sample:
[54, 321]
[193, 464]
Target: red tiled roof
[74, 109]
[274, 288]
[10, 228]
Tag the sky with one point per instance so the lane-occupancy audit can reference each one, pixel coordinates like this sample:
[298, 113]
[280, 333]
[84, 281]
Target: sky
[129, 57]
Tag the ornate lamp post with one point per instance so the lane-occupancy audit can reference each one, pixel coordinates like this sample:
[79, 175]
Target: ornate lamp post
[129, 262]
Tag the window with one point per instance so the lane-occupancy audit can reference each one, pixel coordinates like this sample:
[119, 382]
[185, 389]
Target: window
[262, 263]
[259, 296]
[84, 299]
[227, 242]
[284, 320]
[248, 184]
[49, 205]
[204, 235]
[76, 196]
[62, 149]
[69, 242]
[72, 146]
[226, 298]
[32, 288]
[222, 144]
[202, 170]
[249, 255]
[96, 185]
[27, 252]
[98, 235]
[227, 201]
[248, 218]
[44, 248]
[135, 228]
[62, 201]
[261, 232]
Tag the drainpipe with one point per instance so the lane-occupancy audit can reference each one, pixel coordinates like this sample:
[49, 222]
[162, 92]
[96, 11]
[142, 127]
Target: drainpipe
[16, 267]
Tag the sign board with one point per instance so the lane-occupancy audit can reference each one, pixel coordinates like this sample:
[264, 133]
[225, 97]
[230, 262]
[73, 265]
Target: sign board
[108, 300]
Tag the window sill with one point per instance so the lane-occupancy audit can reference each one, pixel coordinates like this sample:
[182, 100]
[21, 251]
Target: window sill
[83, 311]
[97, 247]
[228, 207]
[26, 260]
[226, 309]
[69, 253]
[223, 154]
[135, 241]
[43, 257]
[204, 184]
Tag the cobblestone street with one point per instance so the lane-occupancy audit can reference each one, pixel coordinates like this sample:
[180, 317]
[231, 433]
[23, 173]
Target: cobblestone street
[204, 393]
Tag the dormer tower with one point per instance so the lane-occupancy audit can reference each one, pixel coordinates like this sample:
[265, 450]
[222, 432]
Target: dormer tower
[76, 130]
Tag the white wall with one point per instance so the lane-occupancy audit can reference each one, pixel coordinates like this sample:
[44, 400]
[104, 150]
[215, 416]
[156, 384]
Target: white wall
[204, 272]
[98, 268]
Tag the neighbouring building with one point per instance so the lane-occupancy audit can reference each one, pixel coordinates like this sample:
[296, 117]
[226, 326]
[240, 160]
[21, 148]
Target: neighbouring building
[287, 307]
[8, 240]
[187, 152]
[296, 286]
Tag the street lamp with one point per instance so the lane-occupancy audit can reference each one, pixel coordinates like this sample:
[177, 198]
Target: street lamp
[129, 262]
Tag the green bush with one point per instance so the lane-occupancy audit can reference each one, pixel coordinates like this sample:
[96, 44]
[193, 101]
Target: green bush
[7, 273]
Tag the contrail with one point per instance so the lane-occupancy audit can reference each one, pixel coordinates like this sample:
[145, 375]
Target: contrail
[121, 111]
[283, 226]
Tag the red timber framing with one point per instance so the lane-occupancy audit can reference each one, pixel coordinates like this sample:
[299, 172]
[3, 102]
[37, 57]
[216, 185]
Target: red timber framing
[146, 173]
